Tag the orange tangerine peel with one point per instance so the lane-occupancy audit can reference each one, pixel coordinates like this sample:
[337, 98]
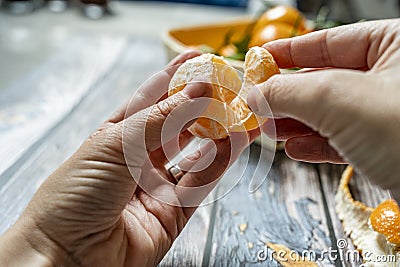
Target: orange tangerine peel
[385, 219]
[228, 112]
[358, 219]
[354, 216]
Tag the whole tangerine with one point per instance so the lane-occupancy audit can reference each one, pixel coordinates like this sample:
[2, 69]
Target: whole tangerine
[271, 32]
[282, 14]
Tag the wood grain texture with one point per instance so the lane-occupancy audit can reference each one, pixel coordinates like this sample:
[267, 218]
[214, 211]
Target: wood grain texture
[139, 60]
[33, 105]
[188, 248]
[287, 209]
[361, 189]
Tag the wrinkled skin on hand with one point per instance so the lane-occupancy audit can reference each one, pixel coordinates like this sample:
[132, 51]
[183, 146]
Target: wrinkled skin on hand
[92, 212]
[345, 108]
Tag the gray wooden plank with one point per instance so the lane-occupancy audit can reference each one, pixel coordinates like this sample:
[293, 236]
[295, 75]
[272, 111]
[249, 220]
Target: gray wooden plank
[139, 60]
[189, 247]
[34, 104]
[361, 189]
[287, 209]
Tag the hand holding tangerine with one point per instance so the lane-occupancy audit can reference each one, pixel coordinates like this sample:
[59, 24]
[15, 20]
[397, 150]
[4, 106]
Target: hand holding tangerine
[228, 110]
[347, 107]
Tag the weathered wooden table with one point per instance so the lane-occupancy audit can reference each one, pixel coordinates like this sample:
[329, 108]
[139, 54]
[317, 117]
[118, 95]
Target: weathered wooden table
[45, 115]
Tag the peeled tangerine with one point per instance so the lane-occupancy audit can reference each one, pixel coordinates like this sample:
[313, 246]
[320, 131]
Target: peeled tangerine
[227, 111]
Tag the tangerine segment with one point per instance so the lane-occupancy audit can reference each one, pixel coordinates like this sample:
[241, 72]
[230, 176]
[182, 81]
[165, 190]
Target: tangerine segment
[385, 219]
[228, 112]
[259, 66]
[210, 69]
[225, 83]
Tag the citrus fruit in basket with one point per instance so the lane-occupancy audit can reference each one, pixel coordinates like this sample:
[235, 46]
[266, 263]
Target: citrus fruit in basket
[282, 14]
[228, 111]
[228, 50]
[278, 23]
[271, 32]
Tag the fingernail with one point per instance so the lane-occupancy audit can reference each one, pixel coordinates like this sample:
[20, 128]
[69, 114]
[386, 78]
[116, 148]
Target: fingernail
[188, 54]
[194, 90]
[265, 46]
[191, 52]
[257, 103]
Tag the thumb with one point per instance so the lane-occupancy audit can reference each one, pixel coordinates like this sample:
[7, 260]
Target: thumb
[148, 129]
[351, 109]
[318, 98]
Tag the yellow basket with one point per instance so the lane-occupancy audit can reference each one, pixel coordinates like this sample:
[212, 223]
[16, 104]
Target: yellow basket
[180, 39]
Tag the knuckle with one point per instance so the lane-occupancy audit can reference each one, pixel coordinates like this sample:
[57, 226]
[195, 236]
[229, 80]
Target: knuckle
[276, 82]
[276, 89]
[331, 87]
[194, 156]
[163, 108]
[324, 89]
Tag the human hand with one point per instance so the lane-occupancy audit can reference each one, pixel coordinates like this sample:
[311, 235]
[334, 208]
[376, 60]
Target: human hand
[113, 203]
[345, 109]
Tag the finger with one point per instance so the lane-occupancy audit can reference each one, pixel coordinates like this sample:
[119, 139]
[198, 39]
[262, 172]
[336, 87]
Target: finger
[206, 166]
[312, 148]
[198, 157]
[253, 134]
[145, 131]
[208, 163]
[211, 159]
[316, 98]
[196, 162]
[283, 129]
[118, 115]
[181, 59]
[169, 150]
[347, 46]
[153, 90]
[175, 114]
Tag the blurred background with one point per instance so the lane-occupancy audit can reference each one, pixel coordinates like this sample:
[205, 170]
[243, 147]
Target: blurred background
[30, 29]
[345, 10]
